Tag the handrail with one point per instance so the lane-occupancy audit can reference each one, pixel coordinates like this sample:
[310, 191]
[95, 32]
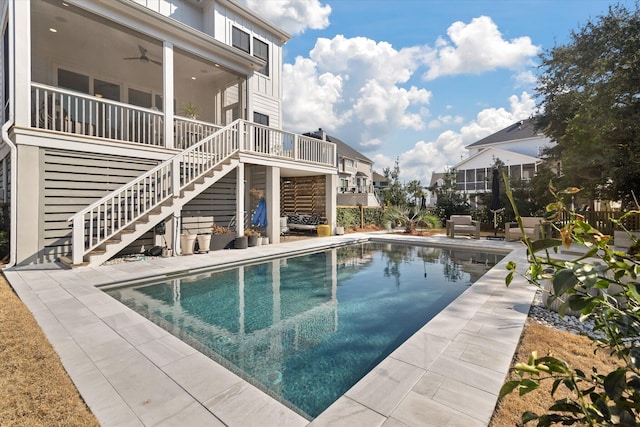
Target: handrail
[118, 210]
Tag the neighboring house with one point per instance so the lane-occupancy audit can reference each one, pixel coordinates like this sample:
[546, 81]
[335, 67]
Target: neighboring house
[127, 123]
[355, 173]
[380, 183]
[518, 146]
[437, 180]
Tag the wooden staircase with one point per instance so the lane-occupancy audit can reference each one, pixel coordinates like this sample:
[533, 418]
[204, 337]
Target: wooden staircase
[109, 225]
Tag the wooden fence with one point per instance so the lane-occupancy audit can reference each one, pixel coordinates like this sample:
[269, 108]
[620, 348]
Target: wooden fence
[601, 220]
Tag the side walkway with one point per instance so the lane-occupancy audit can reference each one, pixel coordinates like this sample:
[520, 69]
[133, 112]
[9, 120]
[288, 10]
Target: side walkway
[133, 373]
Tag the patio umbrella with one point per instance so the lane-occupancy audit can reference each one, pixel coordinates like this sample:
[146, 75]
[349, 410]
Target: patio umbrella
[495, 205]
[259, 217]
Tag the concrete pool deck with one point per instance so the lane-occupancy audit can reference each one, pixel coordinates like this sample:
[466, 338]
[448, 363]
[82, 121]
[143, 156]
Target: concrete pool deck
[131, 372]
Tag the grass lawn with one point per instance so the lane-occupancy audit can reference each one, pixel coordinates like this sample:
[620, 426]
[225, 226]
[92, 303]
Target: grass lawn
[35, 390]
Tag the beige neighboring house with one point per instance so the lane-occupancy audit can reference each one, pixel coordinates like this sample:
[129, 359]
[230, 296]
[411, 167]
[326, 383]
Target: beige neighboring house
[519, 146]
[355, 174]
[131, 123]
[437, 180]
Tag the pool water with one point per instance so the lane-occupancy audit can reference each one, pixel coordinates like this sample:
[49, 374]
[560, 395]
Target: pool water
[305, 329]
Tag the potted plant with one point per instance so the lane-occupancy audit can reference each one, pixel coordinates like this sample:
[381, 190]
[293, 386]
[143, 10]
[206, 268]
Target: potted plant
[222, 237]
[252, 236]
[190, 111]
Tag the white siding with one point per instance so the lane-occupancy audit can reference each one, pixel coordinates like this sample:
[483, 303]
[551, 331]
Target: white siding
[180, 10]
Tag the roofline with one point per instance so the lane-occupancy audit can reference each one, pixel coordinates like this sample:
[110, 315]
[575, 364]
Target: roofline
[246, 13]
[537, 160]
[508, 141]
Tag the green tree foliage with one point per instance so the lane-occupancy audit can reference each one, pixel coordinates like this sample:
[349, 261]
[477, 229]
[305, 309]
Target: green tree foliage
[602, 285]
[451, 201]
[395, 194]
[590, 91]
[415, 192]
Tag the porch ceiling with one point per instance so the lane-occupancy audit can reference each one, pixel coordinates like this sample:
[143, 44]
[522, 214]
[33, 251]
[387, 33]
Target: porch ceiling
[87, 42]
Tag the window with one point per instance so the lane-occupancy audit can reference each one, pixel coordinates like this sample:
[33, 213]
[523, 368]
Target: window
[261, 50]
[73, 81]
[261, 119]
[240, 39]
[140, 98]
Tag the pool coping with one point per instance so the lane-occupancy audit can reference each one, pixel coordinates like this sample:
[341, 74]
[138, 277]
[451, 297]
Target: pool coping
[133, 373]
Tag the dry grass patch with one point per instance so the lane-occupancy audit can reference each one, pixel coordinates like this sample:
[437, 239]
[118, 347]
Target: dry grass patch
[576, 350]
[35, 390]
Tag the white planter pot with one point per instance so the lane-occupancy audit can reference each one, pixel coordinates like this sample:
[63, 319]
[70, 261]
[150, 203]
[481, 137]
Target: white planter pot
[265, 240]
[339, 231]
[204, 243]
[187, 243]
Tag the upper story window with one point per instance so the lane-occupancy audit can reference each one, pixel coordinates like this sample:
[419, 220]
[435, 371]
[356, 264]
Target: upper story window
[348, 163]
[261, 50]
[240, 39]
[261, 119]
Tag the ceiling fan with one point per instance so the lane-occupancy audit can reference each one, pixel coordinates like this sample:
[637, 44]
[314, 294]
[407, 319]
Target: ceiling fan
[143, 57]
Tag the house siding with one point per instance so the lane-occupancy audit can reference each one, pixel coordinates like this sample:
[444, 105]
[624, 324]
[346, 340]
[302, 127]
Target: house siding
[216, 204]
[180, 10]
[71, 181]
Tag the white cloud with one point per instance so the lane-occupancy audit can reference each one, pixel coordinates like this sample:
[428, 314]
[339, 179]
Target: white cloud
[477, 47]
[448, 148]
[293, 16]
[353, 87]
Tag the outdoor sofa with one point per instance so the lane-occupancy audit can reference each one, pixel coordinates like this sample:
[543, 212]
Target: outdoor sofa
[303, 222]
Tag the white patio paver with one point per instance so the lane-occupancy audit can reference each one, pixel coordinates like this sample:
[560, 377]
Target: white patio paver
[131, 372]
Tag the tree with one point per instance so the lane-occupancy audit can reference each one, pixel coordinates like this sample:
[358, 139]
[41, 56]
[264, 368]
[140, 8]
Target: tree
[395, 194]
[415, 191]
[450, 201]
[590, 90]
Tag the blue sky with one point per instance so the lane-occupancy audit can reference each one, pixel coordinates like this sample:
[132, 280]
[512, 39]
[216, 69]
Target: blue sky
[416, 80]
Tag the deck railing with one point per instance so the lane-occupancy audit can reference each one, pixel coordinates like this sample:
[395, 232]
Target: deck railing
[119, 210]
[73, 112]
[276, 143]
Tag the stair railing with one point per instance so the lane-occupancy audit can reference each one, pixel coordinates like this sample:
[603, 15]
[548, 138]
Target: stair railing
[120, 209]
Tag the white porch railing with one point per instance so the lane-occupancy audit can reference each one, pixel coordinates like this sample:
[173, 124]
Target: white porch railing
[119, 210]
[189, 131]
[73, 112]
[276, 143]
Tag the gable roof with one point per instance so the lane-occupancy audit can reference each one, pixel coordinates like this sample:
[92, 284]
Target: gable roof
[379, 178]
[520, 130]
[493, 153]
[344, 149]
[435, 176]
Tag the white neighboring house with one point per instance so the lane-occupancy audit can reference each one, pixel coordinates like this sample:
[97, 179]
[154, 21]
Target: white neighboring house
[518, 146]
[120, 115]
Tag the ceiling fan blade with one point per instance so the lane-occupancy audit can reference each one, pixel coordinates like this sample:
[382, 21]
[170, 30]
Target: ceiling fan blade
[143, 51]
[155, 62]
[134, 57]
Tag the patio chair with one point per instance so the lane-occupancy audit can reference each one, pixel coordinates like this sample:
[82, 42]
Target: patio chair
[532, 227]
[462, 224]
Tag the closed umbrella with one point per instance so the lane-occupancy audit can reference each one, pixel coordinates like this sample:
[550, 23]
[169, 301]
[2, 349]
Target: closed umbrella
[259, 217]
[495, 205]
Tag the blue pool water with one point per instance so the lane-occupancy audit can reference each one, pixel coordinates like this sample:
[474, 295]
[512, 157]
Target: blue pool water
[307, 328]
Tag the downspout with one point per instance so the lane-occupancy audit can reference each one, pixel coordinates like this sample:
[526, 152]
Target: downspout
[13, 238]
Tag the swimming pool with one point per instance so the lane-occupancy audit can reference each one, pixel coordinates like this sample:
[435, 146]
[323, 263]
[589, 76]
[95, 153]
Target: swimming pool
[305, 329]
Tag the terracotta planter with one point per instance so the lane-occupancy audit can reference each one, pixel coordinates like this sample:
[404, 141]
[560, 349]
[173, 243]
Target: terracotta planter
[222, 241]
